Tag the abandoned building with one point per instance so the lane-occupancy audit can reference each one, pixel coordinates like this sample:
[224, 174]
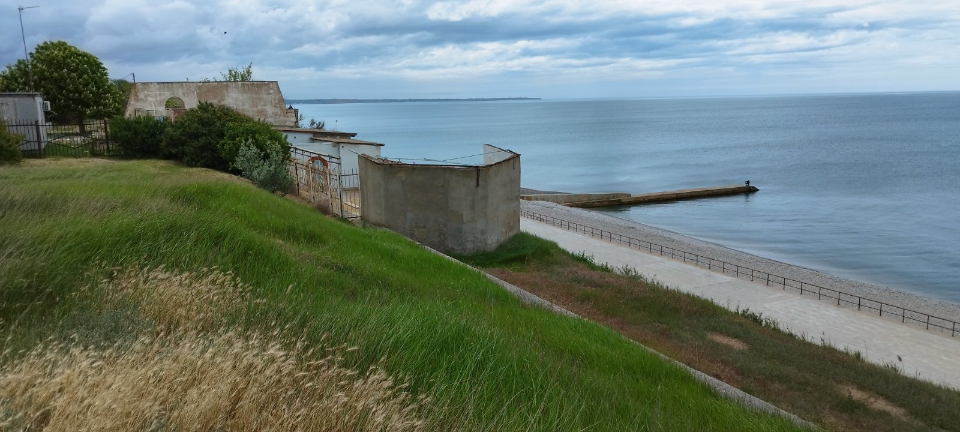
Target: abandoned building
[18, 111]
[451, 208]
[261, 100]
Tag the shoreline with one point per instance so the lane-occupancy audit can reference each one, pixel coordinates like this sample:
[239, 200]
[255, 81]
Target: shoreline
[917, 302]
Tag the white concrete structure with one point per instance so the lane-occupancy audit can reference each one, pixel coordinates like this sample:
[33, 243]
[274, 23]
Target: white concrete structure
[18, 111]
[341, 145]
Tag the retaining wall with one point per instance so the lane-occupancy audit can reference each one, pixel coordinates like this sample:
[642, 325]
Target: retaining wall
[452, 208]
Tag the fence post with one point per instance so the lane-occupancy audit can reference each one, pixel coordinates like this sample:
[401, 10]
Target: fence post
[858, 302]
[881, 309]
[106, 133]
[768, 279]
[36, 125]
[928, 322]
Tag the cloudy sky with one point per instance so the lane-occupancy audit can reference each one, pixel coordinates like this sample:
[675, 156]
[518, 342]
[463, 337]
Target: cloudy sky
[490, 48]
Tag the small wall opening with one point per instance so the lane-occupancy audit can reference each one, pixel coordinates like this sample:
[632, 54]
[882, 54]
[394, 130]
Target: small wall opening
[174, 103]
[175, 107]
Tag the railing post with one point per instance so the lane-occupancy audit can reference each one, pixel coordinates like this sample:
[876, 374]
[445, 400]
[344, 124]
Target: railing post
[858, 302]
[881, 309]
[768, 279]
[36, 125]
[106, 133]
[928, 322]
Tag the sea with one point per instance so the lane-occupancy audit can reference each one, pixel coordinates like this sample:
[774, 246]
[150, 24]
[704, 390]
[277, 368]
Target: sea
[864, 186]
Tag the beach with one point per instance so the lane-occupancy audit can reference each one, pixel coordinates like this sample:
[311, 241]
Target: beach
[919, 303]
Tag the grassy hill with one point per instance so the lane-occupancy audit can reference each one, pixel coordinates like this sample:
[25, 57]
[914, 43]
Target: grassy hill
[144, 294]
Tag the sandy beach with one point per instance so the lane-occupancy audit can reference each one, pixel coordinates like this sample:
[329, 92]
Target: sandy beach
[679, 241]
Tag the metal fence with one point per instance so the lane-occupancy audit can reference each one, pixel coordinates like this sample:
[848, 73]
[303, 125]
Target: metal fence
[86, 138]
[350, 193]
[320, 181]
[842, 298]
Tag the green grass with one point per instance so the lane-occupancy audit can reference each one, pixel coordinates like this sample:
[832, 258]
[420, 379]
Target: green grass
[801, 377]
[486, 361]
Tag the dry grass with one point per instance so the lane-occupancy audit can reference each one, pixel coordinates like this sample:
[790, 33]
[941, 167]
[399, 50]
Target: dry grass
[176, 301]
[734, 343]
[873, 401]
[194, 375]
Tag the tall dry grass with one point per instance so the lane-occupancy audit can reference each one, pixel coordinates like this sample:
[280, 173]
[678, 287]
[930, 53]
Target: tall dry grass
[195, 375]
[187, 301]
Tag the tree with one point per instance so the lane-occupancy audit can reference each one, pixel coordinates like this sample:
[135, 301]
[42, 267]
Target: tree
[125, 87]
[239, 73]
[74, 81]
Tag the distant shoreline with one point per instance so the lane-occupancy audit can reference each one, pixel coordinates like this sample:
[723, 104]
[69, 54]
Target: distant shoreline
[352, 101]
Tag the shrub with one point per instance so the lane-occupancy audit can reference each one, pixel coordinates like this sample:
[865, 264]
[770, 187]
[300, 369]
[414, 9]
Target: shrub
[138, 137]
[268, 170]
[261, 135]
[9, 145]
[195, 136]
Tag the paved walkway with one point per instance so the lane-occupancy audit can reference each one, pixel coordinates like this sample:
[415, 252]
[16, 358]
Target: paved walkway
[925, 354]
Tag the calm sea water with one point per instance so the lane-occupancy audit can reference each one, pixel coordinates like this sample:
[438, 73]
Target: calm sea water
[863, 186]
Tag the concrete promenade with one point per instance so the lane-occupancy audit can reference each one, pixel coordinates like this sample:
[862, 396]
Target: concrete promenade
[925, 354]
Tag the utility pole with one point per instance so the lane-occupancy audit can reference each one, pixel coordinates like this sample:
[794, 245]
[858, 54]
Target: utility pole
[23, 36]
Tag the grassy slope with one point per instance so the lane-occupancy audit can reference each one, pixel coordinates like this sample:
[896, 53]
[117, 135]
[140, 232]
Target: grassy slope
[487, 362]
[801, 377]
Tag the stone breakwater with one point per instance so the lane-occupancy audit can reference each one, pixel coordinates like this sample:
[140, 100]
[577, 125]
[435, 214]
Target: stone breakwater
[678, 241]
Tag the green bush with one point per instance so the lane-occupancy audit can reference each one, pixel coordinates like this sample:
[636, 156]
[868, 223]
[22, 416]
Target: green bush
[268, 170]
[261, 135]
[9, 145]
[138, 137]
[194, 137]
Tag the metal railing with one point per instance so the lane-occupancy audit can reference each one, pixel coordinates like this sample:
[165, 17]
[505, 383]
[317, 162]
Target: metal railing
[76, 139]
[842, 298]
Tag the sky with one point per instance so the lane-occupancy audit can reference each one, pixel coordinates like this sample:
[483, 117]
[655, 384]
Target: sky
[552, 49]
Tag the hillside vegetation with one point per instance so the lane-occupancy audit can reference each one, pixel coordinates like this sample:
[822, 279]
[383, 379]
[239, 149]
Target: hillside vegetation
[147, 295]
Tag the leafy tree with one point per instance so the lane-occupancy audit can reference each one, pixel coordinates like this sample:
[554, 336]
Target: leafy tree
[194, 137]
[124, 87]
[138, 137]
[269, 170]
[238, 73]
[74, 81]
[261, 135]
[235, 74]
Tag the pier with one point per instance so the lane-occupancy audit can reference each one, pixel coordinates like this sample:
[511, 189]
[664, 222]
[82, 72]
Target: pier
[614, 199]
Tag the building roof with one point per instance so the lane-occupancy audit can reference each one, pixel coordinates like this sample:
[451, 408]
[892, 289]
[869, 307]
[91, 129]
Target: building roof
[15, 94]
[318, 132]
[346, 141]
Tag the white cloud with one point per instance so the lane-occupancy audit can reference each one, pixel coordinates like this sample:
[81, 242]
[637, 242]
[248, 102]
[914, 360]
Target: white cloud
[519, 43]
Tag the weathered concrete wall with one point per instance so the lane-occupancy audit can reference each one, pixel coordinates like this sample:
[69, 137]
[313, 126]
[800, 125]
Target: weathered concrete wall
[455, 209]
[261, 100]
